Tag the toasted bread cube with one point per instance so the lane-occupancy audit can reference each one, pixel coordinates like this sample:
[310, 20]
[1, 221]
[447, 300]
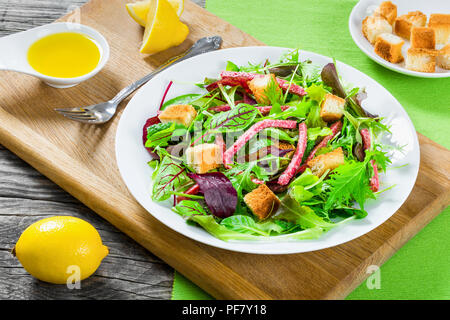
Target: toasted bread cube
[387, 10]
[423, 37]
[332, 108]
[440, 23]
[422, 60]
[404, 23]
[262, 202]
[443, 58]
[373, 26]
[204, 157]
[323, 162]
[389, 47]
[179, 113]
[259, 85]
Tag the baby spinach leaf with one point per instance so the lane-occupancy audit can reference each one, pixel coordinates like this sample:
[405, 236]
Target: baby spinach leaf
[161, 133]
[183, 99]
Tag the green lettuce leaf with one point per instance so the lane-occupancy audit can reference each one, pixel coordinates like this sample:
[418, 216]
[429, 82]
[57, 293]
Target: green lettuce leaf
[223, 233]
[304, 216]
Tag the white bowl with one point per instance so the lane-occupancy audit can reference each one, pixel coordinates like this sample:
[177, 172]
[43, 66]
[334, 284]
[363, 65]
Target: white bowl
[14, 58]
[365, 7]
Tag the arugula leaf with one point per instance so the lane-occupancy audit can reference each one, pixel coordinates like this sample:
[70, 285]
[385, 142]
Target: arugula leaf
[168, 176]
[187, 208]
[348, 182]
[236, 119]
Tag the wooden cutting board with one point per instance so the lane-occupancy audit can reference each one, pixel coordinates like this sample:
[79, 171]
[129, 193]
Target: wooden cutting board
[80, 158]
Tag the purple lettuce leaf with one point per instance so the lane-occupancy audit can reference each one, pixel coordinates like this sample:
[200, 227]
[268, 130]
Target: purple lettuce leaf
[220, 195]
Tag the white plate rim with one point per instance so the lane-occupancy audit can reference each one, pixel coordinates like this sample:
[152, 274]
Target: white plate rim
[373, 56]
[247, 246]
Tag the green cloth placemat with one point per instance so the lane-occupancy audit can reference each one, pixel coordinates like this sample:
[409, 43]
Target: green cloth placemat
[421, 268]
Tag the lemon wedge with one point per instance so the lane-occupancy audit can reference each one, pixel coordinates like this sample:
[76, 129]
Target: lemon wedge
[163, 28]
[139, 10]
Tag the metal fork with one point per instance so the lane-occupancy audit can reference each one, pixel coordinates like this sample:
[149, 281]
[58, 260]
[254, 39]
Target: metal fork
[103, 112]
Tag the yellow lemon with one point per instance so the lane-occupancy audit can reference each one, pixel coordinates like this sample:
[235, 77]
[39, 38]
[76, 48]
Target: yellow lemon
[139, 10]
[163, 29]
[56, 248]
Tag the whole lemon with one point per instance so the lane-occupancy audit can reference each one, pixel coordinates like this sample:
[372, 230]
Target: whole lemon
[52, 248]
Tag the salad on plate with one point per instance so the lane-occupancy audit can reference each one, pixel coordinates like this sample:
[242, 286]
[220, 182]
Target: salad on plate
[268, 151]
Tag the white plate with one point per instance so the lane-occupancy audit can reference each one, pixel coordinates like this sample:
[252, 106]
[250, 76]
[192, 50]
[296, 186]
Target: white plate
[364, 7]
[132, 158]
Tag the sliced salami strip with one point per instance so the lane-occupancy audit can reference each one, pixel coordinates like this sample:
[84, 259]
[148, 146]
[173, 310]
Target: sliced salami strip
[375, 180]
[242, 140]
[234, 78]
[293, 88]
[265, 110]
[296, 161]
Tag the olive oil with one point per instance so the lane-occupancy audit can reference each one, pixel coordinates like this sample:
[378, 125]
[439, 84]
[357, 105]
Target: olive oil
[64, 55]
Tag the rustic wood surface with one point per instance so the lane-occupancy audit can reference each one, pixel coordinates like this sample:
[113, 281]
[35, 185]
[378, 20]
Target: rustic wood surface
[80, 162]
[129, 271]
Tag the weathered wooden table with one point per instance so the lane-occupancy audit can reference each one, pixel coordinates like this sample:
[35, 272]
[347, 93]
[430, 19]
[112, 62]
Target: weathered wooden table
[128, 272]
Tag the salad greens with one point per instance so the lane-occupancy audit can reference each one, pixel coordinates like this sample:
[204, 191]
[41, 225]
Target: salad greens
[260, 158]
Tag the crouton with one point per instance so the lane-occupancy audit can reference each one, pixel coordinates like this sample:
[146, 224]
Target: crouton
[441, 25]
[373, 26]
[422, 60]
[327, 161]
[179, 113]
[262, 202]
[204, 157]
[443, 58]
[404, 23]
[389, 47]
[388, 11]
[332, 108]
[423, 37]
[259, 85]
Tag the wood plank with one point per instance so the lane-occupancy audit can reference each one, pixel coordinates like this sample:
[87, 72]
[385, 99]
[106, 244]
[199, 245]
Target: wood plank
[129, 271]
[81, 163]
